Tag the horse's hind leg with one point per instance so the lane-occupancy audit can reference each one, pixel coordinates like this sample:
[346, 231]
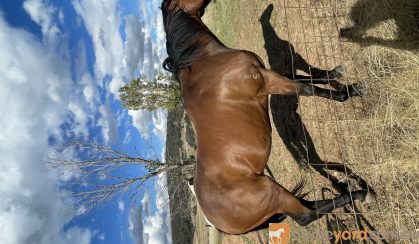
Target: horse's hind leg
[317, 73]
[278, 84]
[333, 82]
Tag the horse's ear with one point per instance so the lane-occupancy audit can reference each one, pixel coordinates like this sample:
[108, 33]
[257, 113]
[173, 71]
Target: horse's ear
[194, 6]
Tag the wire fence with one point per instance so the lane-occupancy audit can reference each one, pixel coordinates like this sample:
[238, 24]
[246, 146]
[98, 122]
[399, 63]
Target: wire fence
[340, 131]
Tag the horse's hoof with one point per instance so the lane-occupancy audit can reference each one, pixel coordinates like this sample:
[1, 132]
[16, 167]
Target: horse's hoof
[358, 89]
[370, 197]
[337, 72]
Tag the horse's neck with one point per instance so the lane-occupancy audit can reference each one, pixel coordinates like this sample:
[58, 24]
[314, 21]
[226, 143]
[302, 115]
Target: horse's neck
[212, 46]
[209, 46]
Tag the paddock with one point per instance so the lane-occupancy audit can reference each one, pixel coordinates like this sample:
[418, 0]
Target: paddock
[375, 137]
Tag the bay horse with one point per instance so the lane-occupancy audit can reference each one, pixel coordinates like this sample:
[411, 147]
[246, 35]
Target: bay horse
[225, 94]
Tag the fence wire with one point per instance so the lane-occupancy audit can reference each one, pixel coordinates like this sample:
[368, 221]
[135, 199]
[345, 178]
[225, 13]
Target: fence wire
[320, 23]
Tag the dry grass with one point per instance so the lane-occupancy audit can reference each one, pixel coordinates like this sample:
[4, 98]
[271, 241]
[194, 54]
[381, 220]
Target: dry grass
[376, 136]
[392, 104]
[390, 128]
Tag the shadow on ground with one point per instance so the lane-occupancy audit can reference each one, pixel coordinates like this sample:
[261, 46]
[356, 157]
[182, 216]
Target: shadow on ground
[368, 14]
[284, 60]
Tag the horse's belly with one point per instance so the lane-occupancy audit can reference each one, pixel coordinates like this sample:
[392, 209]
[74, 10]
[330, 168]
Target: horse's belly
[234, 134]
[234, 203]
[236, 148]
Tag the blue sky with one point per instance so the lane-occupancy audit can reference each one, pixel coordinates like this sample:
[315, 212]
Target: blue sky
[61, 65]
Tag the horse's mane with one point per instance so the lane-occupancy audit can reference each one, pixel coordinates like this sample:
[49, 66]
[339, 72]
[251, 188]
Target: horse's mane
[182, 39]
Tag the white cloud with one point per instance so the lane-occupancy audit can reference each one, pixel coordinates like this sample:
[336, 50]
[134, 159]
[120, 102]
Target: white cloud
[155, 26]
[152, 228]
[89, 87]
[144, 121]
[148, 65]
[61, 16]
[127, 138]
[135, 227]
[78, 235]
[121, 206]
[134, 44]
[141, 120]
[160, 124]
[34, 94]
[157, 226]
[140, 51]
[102, 21]
[90, 92]
[145, 10]
[100, 237]
[80, 117]
[161, 37]
[108, 123]
[42, 13]
[84, 98]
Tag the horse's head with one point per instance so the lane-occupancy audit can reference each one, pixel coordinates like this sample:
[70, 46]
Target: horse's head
[182, 24]
[193, 7]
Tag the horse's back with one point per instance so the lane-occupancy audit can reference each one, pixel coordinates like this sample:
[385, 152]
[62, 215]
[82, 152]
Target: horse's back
[231, 122]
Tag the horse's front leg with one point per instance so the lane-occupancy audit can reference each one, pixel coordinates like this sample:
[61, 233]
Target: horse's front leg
[320, 208]
[278, 84]
[305, 212]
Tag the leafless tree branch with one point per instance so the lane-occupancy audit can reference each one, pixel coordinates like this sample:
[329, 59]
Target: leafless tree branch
[98, 173]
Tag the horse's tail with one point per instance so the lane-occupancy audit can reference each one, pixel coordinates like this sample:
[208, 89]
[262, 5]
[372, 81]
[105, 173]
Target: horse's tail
[297, 190]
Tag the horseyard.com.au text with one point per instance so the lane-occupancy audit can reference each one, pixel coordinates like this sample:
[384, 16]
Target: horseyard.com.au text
[337, 236]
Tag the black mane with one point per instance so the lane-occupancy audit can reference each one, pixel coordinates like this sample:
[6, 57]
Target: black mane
[182, 39]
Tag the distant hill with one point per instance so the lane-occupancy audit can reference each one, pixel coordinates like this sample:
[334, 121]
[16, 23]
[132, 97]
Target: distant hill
[187, 220]
[180, 145]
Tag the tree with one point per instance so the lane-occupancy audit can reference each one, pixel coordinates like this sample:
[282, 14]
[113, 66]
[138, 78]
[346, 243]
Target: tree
[161, 93]
[100, 172]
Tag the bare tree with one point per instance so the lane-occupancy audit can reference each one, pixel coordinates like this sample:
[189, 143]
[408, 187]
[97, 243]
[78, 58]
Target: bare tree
[100, 174]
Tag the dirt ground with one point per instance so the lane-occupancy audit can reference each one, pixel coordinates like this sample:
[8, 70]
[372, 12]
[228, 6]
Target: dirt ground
[362, 143]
